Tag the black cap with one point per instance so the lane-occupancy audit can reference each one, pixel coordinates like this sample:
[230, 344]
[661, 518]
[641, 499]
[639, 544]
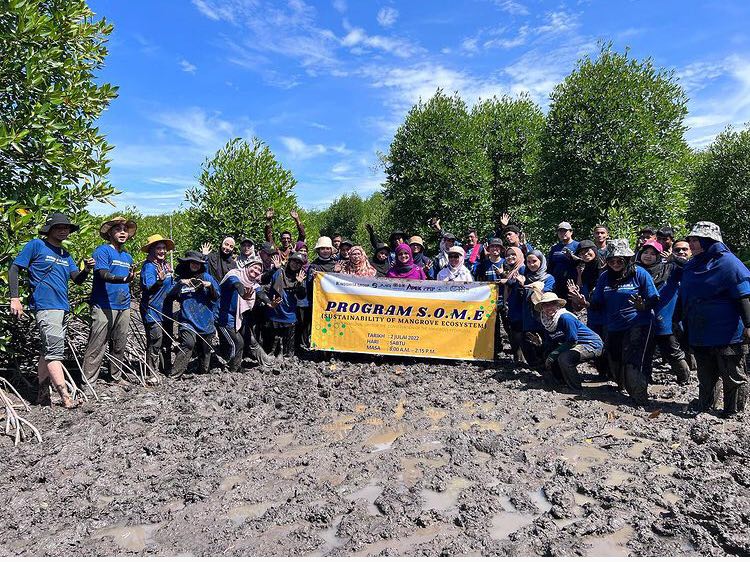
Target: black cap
[449, 235]
[346, 242]
[57, 219]
[494, 242]
[586, 245]
[296, 256]
[380, 246]
[245, 238]
[269, 249]
[512, 228]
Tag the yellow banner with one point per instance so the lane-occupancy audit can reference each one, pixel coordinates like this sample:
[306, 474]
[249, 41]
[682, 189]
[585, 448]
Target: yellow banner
[404, 317]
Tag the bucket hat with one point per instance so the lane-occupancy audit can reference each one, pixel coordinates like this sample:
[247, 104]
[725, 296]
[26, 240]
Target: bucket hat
[416, 240]
[153, 239]
[549, 297]
[57, 219]
[192, 256]
[456, 250]
[705, 229]
[130, 225]
[324, 242]
[619, 248]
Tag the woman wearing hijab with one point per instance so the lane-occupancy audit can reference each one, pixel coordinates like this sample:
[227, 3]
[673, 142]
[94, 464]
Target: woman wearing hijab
[715, 297]
[286, 287]
[381, 260]
[570, 341]
[304, 305]
[626, 294]
[530, 285]
[666, 276]
[404, 267]
[358, 264]
[512, 302]
[219, 263]
[455, 271]
[234, 317]
[156, 282]
[197, 292]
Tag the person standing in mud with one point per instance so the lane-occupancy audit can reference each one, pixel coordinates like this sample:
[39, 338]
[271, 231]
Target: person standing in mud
[280, 297]
[234, 319]
[510, 303]
[197, 292]
[218, 263]
[569, 340]
[715, 295]
[110, 301]
[50, 267]
[156, 282]
[287, 247]
[304, 306]
[561, 265]
[626, 294]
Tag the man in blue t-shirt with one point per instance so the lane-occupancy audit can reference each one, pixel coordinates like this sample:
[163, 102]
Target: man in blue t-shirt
[50, 267]
[560, 263]
[110, 301]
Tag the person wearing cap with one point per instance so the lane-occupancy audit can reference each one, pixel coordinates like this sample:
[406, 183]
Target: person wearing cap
[600, 236]
[512, 237]
[197, 292]
[666, 276]
[627, 295]
[50, 267]
[304, 305]
[455, 271]
[280, 296]
[234, 317]
[490, 269]
[156, 282]
[420, 258]
[381, 260]
[715, 297]
[247, 252]
[343, 255]
[510, 303]
[568, 340]
[560, 263]
[473, 249]
[110, 300]
[219, 262]
[286, 247]
[396, 237]
[665, 237]
[269, 255]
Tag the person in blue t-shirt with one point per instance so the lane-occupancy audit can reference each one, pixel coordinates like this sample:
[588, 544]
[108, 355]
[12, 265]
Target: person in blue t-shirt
[560, 263]
[715, 296]
[626, 294]
[569, 340]
[156, 309]
[110, 301]
[50, 267]
[280, 296]
[197, 293]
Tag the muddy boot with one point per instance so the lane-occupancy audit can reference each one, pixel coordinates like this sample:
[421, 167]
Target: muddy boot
[682, 370]
[636, 385]
[67, 401]
[43, 395]
[734, 400]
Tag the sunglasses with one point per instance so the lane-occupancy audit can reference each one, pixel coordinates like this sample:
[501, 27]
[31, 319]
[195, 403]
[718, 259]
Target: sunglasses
[615, 260]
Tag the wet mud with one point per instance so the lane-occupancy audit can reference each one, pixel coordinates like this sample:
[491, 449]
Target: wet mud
[353, 457]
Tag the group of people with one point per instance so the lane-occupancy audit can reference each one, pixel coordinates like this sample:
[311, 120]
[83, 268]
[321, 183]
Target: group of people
[590, 300]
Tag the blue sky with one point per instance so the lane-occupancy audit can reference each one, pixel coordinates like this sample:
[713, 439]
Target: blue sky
[327, 83]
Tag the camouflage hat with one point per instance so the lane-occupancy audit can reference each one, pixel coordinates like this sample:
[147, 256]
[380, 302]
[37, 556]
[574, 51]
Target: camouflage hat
[619, 248]
[705, 229]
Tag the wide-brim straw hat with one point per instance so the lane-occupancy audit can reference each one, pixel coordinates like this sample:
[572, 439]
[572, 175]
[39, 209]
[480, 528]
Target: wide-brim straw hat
[549, 297]
[153, 239]
[58, 219]
[130, 225]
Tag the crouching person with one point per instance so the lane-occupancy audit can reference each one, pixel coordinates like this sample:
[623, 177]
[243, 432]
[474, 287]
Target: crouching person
[570, 340]
[235, 319]
[196, 291]
[50, 267]
[280, 296]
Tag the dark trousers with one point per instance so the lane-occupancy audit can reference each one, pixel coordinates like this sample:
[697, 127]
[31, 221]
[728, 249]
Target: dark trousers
[600, 362]
[627, 353]
[231, 346]
[304, 327]
[280, 339]
[534, 354]
[728, 364]
[158, 346]
[565, 367]
[672, 353]
[515, 335]
[253, 349]
[190, 341]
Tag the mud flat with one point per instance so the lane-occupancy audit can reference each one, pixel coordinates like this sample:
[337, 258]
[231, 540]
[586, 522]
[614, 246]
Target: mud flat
[354, 457]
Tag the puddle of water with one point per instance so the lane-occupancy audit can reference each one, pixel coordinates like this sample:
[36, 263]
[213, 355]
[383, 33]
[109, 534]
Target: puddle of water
[561, 412]
[411, 472]
[489, 425]
[446, 500]
[546, 424]
[398, 411]
[618, 432]
[469, 407]
[506, 523]
[134, 539]
[340, 426]
[637, 449]
[103, 501]
[611, 545]
[580, 499]
[665, 470]
[430, 446]
[330, 538]
[231, 481]
[540, 500]
[284, 439]
[290, 473]
[369, 493]
[583, 457]
[404, 544]
[617, 477]
[240, 513]
[383, 440]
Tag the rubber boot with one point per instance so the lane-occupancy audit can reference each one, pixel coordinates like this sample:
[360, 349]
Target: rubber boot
[636, 385]
[682, 370]
[734, 400]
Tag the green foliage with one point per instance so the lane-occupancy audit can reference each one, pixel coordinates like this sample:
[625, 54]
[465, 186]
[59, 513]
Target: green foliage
[52, 157]
[510, 131]
[614, 139]
[236, 187]
[722, 188]
[348, 214]
[436, 166]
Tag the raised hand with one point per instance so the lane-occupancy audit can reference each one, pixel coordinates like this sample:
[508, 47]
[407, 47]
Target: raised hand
[206, 284]
[338, 266]
[638, 302]
[667, 256]
[294, 214]
[269, 213]
[369, 227]
[301, 276]
[505, 219]
[276, 261]
[534, 339]
[131, 274]
[161, 272]
[205, 248]
[275, 301]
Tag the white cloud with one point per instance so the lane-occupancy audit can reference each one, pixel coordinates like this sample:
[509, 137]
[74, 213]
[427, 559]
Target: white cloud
[340, 6]
[558, 22]
[512, 7]
[188, 67]
[387, 16]
[299, 150]
[357, 39]
[197, 128]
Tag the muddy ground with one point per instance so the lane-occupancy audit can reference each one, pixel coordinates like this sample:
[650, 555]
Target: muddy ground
[353, 457]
